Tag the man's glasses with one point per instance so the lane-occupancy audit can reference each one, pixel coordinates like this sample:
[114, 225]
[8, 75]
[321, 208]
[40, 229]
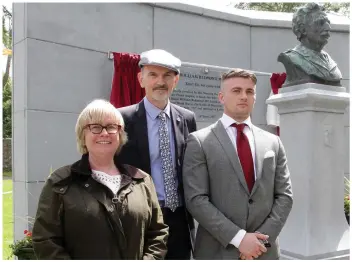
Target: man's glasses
[110, 129]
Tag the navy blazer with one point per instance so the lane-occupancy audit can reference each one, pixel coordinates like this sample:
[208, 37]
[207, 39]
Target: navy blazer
[136, 150]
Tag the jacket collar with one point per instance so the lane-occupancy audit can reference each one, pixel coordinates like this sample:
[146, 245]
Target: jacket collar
[141, 128]
[153, 111]
[82, 167]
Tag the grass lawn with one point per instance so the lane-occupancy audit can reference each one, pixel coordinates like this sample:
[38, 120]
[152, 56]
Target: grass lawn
[7, 174]
[7, 218]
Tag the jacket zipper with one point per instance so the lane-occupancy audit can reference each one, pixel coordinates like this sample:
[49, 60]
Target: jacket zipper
[115, 199]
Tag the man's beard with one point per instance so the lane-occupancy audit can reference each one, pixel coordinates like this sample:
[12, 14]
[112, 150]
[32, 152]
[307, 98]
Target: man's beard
[159, 97]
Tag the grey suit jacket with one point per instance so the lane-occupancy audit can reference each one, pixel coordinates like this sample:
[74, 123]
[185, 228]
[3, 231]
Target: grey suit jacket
[217, 195]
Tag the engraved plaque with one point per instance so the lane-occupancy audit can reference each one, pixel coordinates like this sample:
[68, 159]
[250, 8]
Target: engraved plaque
[198, 90]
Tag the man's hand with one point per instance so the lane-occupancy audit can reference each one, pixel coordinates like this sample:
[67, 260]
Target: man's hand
[251, 247]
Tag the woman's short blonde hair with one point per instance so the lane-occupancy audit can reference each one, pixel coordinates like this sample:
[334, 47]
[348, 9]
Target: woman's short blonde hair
[95, 112]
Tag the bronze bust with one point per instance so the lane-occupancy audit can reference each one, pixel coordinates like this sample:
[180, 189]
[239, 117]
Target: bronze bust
[307, 62]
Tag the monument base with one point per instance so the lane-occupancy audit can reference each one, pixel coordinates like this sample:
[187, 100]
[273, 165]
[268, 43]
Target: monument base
[312, 132]
[338, 255]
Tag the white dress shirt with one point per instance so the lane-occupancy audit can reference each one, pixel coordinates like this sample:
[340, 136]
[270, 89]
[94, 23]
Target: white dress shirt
[232, 132]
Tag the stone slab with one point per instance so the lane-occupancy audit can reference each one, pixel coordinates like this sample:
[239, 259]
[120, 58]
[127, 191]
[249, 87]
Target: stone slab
[339, 255]
[19, 22]
[55, 143]
[97, 26]
[202, 40]
[65, 79]
[310, 97]
[19, 78]
[20, 208]
[19, 145]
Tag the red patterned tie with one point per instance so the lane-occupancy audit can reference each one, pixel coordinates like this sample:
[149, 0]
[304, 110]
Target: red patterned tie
[245, 155]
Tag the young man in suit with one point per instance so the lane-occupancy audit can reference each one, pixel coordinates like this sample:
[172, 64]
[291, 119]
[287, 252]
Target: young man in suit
[157, 131]
[236, 180]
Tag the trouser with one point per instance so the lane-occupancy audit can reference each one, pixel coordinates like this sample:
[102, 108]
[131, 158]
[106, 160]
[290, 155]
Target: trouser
[179, 242]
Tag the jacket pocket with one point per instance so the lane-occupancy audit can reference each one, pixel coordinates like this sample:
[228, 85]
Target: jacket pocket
[60, 189]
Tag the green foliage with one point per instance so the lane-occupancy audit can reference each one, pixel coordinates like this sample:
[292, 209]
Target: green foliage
[347, 186]
[6, 81]
[7, 108]
[347, 205]
[342, 7]
[273, 7]
[24, 247]
[7, 42]
[347, 196]
[7, 175]
[6, 31]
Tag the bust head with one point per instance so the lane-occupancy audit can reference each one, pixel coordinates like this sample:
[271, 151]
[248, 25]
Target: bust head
[311, 26]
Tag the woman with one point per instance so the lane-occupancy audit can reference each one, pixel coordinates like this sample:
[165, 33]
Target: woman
[97, 208]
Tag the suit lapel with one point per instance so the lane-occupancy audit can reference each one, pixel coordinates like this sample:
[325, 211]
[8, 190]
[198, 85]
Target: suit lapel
[230, 151]
[177, 123]
[260, 149]
[142, 135]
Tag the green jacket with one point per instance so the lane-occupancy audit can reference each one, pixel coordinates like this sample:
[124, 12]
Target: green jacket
[76, 218]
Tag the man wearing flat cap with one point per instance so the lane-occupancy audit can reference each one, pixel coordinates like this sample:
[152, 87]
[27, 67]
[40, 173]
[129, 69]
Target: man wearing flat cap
[157, 130]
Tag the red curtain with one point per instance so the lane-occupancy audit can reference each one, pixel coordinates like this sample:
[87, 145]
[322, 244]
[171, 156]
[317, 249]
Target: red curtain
[126, 89]
[277, 80]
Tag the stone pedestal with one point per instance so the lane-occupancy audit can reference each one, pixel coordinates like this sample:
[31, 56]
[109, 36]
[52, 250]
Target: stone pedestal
[312, 131]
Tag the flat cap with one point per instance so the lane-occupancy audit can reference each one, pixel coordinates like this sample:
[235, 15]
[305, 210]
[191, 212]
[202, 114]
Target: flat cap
[161, 58]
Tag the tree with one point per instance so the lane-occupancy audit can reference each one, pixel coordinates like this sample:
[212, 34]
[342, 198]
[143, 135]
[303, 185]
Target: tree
[342, 7]
[6, 80]
[7, 109]
[7, 40]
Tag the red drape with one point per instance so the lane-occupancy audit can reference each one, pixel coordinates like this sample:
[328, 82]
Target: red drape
[126, 89]
[277, 80]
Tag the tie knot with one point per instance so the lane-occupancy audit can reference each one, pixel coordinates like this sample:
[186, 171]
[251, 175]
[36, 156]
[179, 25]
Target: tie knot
[162, 115]
[239, 127]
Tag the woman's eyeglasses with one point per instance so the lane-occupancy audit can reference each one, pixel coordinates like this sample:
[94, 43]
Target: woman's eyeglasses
[110, 129]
